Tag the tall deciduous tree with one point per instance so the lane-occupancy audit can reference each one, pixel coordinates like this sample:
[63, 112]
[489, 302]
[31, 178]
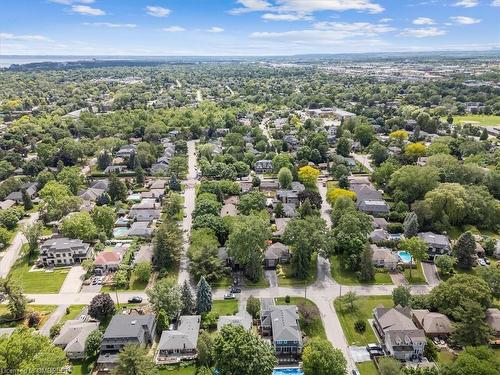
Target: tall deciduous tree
[285, 178]
[238, 351]
[366, 268]
[25, 352]
[134, 360]
[165, 296]
[32, 234]
[320, 358]
[410, 225]
[472, 329]
[203, 297]
[101, 307]
[167, 245]
[401, 296]
[416, 247]
[93, 344]
[205, 349]
[465, 251]
[117, 188]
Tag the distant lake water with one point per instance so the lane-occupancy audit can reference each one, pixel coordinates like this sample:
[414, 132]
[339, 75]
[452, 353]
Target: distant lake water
[6, 61]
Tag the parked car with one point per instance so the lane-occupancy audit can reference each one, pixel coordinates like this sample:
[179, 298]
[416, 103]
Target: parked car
[376, 353]
[229, 296]
[481, 262]
[234, 289]
[371, 347]
[487, 261]
[135, 299]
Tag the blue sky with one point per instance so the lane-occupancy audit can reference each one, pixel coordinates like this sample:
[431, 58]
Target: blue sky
[245, 27]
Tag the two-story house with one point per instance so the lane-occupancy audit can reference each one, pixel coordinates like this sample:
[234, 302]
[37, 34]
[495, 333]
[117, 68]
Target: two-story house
[401, 337]
[62, 251]
[123, 330]
[181, 343]
[263, 166]
[438, 244]
[281, 322]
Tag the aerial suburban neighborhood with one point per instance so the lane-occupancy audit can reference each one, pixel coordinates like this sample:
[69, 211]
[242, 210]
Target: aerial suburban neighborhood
[287, 215]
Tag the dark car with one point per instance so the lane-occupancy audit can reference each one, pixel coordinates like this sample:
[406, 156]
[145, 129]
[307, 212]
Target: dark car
[135, 299]
[235, 289]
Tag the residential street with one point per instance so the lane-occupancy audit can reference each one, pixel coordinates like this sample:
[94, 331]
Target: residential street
[189, 200]
[12, 253]
[363, 159]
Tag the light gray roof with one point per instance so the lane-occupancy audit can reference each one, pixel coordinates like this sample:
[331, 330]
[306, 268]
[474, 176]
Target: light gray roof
[185, 337]
[140, 229]
[285, 323]
[74, 334]
[64, 244]
[373, 206]
[125, 326]
[244, 321]
[276, 251]
[434, 239]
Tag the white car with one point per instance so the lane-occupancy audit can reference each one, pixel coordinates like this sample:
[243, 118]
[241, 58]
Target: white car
[481, 262]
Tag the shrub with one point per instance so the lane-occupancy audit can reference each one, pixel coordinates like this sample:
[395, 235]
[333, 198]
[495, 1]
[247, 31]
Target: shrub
[287, 299]
[34, 319]
[360, 326]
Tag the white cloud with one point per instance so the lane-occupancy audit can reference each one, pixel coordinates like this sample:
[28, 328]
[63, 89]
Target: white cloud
[423, 33]
[285, 17]
[87, 11]
[68, 2]
[385, 20]
[27, 38]
[215, 29]
[111, 25]
[423, 21]
[495, 3]
[307, 6]
[463, 20]
[466, 3]
[328, 33]
[173, 29]
[157, 11]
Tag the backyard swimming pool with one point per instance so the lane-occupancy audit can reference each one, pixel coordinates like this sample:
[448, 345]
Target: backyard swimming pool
[288, 371]
[404, 256]
[120, 232]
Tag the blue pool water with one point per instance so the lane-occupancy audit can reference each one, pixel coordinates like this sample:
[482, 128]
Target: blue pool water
[404, 256]
[119, 232]
[288, 371]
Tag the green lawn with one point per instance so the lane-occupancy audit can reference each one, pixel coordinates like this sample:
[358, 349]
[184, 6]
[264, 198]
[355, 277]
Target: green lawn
[262, 283]
[417, 275]
[349, 278]
[444, 357]
[38, 281]
[486, 120]
[222, 283]
[44, 310]
[177, 370]
[80, 367]
[225, 307]
[285, 278]
[367, 368]
[72, 313]
[364, 312]
[455, 232]
[315, 327]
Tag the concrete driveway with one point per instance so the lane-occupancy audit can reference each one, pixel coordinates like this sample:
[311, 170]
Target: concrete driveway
[74, 280]
[272, 278]
[359, 354]
[430, 273]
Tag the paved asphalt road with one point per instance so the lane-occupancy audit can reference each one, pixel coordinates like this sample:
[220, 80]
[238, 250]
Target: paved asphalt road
[12, 253]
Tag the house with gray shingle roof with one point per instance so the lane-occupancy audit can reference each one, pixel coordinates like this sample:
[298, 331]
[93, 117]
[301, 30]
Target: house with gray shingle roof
[62, 251]
[281, 322]
[181, 343]
[73, 336]
[275, 254]
[400, 336]
[439, 244]
[123, 330]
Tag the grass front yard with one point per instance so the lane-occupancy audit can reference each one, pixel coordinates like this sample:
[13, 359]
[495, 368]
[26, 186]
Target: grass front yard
[485, 120]
[286, 278]
[344, 277]
[364, 312]
[313, 328]
[367, 368]
[44, 310]
[178, 370]
[72, 312]
[417, 275]
[38, 281]
[444, 357]
[225, 307]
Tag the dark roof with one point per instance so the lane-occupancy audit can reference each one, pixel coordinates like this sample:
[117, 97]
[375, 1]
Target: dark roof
[123, 326]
